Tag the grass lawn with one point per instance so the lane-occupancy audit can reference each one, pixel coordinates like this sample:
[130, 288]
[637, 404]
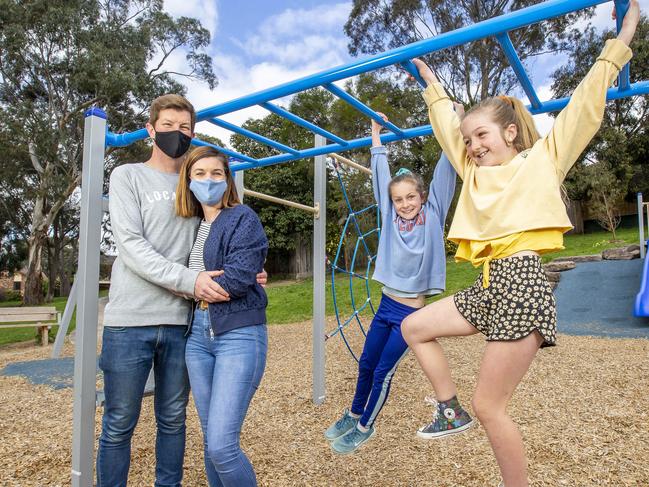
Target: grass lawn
[292, 302]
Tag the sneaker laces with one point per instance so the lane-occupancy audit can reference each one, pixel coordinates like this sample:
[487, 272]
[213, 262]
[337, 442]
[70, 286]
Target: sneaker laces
[433, 402]
[342, 420]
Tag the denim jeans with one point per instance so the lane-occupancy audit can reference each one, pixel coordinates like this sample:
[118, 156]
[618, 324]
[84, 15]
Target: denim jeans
[127, 355]
[225, 371]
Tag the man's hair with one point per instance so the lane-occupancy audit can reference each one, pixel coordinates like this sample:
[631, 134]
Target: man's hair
[174, 102]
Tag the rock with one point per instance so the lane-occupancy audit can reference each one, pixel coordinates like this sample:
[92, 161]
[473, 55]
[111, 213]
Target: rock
[553, 285]
[580, 258]
[553, 276]
[633, 248]
[564, 265]
[621, 254]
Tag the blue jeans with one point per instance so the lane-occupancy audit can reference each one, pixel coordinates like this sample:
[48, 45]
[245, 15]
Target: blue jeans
[383, 350]
[127, 355]
[224, 372]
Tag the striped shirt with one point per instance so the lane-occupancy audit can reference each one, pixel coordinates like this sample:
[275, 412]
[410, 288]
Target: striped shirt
[196, 257]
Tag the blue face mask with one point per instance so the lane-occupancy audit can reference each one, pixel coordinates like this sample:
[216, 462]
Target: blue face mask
[208, 191]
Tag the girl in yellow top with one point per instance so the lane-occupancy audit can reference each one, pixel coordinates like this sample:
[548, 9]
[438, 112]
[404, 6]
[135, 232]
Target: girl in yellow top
[510, 211]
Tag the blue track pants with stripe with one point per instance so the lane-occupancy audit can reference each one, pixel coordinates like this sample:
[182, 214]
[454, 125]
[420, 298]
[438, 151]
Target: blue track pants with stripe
[383, 350]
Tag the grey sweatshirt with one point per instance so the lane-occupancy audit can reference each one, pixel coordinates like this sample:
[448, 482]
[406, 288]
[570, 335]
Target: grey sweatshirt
[149, 275]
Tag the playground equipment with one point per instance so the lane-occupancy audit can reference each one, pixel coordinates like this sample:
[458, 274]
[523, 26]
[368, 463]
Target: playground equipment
[641, 307]
[97, 137]
[362, 244]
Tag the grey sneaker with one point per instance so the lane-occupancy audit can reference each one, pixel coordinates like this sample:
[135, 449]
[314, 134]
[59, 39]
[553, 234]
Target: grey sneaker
[342, 426]
[349, 442]
[449, 418]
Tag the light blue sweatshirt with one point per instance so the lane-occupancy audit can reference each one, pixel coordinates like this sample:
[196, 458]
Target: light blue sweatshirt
[411, 256]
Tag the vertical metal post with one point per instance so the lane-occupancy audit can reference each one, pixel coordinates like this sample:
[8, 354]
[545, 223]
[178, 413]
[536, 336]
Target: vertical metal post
[238, 181]
[319, 270]
[85, 358]
[621, 8]
[641, 225]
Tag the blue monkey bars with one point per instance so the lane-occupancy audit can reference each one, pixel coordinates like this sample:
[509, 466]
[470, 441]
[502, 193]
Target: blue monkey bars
[498, 27]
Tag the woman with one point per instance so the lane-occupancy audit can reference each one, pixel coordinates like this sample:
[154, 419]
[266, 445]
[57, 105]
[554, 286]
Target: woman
[226, 349]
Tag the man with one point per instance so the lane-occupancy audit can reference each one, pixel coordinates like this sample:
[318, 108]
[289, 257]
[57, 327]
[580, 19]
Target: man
[145, 320]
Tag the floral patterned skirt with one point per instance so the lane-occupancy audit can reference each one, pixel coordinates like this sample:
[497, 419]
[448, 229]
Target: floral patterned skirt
[518, 301]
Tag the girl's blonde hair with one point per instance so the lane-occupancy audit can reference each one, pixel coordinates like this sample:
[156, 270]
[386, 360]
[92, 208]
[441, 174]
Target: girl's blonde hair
[186, 203]
[507, 110]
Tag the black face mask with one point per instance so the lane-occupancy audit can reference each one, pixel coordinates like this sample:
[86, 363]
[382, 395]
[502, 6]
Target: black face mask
[173, 143]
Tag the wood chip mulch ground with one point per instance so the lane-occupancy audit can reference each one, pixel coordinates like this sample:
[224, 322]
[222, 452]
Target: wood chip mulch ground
[583, 410]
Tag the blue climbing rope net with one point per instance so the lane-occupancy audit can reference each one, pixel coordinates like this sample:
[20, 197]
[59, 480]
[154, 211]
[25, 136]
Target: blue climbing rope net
[364, 240]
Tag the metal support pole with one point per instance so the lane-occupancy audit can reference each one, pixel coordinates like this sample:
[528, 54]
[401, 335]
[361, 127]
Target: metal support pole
[641, 225]
[351, 163]
[65, 321]
[319, 272]
[238, 181]
[281, 201]
[85, 358]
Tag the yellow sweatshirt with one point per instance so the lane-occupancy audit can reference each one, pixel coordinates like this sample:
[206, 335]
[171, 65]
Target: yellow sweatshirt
[524, 193]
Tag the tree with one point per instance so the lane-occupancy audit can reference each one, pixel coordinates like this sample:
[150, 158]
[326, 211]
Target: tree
[605, 194]
[614, 165]
[469, 72]
[287, 228]
[59, 57]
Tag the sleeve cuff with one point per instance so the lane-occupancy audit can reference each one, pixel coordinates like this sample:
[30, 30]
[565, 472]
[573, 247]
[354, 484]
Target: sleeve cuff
[434, 92]
[616, 52]
[189, 282]
[381, 149]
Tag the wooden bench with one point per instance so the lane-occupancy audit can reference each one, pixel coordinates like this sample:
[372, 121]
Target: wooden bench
[41, 317]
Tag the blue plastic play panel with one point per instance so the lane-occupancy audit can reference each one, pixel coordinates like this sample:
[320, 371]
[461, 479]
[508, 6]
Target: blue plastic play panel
[597, 298]
[56, 373]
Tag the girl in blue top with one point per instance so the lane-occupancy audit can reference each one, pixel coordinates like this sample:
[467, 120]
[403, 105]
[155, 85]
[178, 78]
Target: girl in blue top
[226, 348]
[411, 264]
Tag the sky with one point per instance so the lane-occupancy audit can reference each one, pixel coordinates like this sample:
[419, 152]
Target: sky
[258, 44]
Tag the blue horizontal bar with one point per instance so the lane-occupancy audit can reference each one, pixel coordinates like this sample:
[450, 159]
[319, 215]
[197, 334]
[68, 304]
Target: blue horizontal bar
[635, 89]
[300, 121]
[252, 135]
[361, 107]
[225, 150]
[641, 88]
[621, 7]
[516, 64]
[351, 144]
[122, 140]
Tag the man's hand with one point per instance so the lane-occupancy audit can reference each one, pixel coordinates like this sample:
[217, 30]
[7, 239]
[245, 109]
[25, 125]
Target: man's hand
[208, 290]
[262, 278]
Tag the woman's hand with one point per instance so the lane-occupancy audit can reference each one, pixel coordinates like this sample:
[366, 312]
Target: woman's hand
[425, 72]
[629, 23]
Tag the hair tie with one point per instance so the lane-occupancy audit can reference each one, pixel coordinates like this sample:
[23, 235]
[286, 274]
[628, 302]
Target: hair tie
[507, 100]
[403, 172]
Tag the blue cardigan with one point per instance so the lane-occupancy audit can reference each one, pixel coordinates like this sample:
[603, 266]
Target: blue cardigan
[238, 245]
